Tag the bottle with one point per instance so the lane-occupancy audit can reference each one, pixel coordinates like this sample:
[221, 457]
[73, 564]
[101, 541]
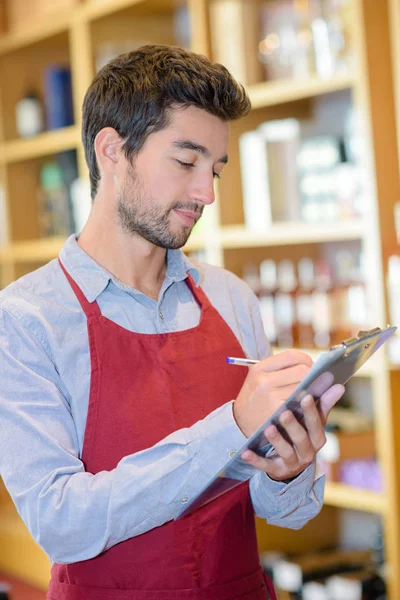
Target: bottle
[304, 303]
[285, 304]
[29, 115]
[268, 279]
[54, 214]
[322, 319]
[350, 296]
[251, 275]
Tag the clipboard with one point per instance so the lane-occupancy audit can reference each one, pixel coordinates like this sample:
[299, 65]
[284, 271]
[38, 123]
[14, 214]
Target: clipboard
[337, 365]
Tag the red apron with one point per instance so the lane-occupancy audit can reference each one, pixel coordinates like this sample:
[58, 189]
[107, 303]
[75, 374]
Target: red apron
[144, 387]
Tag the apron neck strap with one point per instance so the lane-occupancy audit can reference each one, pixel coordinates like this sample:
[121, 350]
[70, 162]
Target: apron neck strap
[91, 309]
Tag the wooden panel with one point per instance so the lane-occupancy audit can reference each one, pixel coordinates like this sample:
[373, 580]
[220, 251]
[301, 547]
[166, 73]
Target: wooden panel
[319, 533]
[3, 16]
[20, 556]
[200, 27]
[23, 185]
[375, 101]
[21, 13]
[131, 30]
[20, 590]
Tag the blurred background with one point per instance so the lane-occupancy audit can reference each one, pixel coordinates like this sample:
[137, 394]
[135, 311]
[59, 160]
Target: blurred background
[307, 212]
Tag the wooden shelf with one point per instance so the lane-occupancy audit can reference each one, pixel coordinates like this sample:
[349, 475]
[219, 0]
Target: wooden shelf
[44, 250]
[231, 237]
[32, 251]
[344, 496]
[283, 234]
[43, 144]
[93, 9]
[44, 28]
[272, 93]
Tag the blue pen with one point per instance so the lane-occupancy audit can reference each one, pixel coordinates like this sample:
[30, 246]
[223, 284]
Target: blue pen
[244, 362]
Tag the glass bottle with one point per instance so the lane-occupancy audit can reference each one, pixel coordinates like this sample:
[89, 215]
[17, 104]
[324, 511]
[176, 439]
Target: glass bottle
[268, 278]
[285, 304]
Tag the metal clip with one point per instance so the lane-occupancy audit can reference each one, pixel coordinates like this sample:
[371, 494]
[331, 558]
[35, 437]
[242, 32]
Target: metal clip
[363, 334]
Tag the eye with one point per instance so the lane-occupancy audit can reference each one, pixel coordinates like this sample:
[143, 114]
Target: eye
[185, 165]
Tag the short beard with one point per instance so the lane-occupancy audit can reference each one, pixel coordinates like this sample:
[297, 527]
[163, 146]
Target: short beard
[141, 215]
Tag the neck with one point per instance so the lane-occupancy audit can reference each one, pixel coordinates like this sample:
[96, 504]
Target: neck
[128, 257]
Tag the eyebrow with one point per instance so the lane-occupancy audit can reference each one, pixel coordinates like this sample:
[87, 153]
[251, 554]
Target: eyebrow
[188, 145]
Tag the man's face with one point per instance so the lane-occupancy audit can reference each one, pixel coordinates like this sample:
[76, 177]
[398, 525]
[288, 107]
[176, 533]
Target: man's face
[169, 182]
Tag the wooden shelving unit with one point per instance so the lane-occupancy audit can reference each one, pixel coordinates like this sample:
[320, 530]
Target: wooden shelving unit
[344, 496]
[272, 93]
[74, 36]
[67, 138]
[283, 234]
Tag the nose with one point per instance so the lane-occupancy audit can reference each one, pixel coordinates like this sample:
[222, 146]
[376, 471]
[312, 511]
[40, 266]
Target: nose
[203, 189]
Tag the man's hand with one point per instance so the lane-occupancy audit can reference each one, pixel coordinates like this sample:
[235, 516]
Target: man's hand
[268, 384]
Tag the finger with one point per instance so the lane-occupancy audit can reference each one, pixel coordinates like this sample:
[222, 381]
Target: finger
[288, 376]
[329, 399]
[285, 450]
[273, 466]
[253, 459]
[321, 384]
[313, 422]
[298, 436]
[283, 360]
[278, 395]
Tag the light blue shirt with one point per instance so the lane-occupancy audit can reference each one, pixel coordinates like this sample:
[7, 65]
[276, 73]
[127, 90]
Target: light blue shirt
[44, 393]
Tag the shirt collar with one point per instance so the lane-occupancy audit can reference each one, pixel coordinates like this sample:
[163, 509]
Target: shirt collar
[93, 279]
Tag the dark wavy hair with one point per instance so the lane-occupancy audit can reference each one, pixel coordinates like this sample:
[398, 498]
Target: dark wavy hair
[134, 94]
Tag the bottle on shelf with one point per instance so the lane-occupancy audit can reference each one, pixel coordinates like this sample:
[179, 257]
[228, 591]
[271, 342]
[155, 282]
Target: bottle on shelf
[349, 295]
[304, 303]
[58, 97]
[29, 115]
[285, 304]
[268, 279]
[251, 275]
[323, 309]
[54, 210]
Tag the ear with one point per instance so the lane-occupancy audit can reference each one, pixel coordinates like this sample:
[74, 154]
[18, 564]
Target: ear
[107, 145]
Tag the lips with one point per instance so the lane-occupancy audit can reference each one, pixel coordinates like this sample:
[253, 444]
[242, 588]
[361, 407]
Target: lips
[189, 217]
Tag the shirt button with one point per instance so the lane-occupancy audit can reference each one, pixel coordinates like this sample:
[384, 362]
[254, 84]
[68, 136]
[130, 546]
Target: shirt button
[184, 500]
[232, 453]
[160, 314]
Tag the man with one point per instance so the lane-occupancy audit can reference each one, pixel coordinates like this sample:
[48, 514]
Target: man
[116, 401]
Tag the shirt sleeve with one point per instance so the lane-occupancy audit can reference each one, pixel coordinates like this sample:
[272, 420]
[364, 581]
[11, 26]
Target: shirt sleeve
[72, 514]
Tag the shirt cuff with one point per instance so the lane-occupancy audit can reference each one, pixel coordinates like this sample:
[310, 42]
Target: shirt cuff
[299, 486]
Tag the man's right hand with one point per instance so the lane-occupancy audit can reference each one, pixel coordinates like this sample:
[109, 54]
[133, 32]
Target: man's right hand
[268, 384]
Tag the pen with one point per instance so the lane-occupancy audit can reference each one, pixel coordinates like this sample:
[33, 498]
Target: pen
[244, 362]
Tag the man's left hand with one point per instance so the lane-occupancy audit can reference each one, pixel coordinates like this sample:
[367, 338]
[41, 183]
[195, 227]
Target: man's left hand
[289, 461]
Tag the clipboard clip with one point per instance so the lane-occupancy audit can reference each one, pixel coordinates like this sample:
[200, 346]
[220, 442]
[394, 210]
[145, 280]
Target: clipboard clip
[361, 335]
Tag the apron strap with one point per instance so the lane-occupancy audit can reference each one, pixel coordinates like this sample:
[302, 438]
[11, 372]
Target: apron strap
[91, 309]
[198, 292]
